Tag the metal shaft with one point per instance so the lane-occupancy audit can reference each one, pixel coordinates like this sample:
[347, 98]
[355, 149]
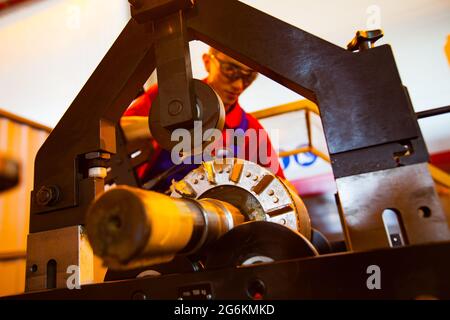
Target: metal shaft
[129, 227]
[432, 112]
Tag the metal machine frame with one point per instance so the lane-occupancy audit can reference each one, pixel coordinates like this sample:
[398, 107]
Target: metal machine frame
[352, 89]
[406, 273]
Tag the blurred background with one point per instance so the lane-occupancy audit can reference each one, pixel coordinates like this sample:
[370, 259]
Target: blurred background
[49, 48]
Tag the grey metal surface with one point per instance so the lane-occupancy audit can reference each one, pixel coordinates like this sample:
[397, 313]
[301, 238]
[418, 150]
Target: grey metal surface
[353, 98]
[68, 247]
[363, 199]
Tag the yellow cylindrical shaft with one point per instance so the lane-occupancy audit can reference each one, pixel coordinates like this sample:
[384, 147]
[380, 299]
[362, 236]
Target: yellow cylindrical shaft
[129, 227]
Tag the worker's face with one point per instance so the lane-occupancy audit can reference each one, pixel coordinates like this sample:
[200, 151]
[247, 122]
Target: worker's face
[228, 77]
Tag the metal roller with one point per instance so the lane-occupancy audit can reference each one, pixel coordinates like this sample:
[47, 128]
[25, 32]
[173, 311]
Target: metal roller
[129, 227]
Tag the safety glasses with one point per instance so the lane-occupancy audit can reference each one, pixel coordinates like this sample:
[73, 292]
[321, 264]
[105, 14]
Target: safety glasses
[233, 72]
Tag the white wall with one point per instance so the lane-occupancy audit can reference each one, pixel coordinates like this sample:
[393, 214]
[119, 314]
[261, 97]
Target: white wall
[49, 48]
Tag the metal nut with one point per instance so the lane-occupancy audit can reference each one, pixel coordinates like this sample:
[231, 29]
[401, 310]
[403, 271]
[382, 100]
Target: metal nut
[47, 195]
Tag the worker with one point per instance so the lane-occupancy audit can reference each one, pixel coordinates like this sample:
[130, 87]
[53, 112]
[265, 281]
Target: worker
[229, 78]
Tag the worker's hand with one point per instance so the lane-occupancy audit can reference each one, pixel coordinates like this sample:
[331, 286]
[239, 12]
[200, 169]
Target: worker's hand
[135, 128]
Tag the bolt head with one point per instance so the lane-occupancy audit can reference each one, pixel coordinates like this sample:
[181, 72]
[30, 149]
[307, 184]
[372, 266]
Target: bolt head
[175, 107]
[46, 195]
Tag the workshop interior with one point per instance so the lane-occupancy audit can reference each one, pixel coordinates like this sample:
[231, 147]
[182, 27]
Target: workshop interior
[354, 96]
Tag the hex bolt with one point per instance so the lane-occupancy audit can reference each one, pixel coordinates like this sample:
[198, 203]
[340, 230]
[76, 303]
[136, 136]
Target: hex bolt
[47, 195]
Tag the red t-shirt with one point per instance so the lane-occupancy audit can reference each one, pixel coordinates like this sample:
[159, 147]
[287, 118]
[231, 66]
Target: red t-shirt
[236, 118]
